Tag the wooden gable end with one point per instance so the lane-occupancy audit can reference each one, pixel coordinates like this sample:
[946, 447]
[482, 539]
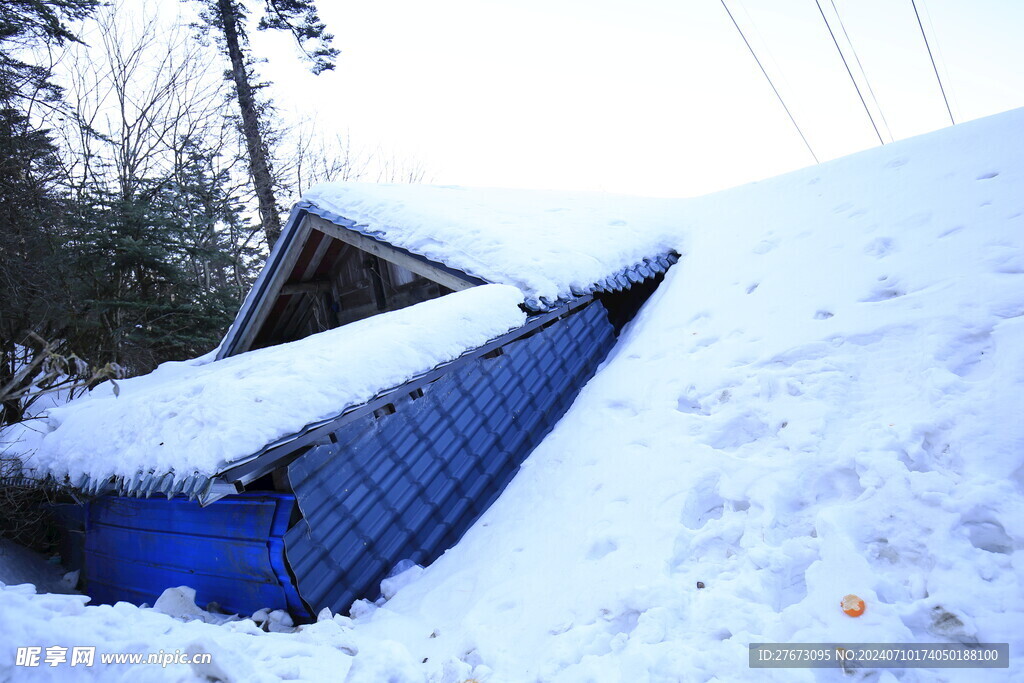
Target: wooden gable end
[331, 276]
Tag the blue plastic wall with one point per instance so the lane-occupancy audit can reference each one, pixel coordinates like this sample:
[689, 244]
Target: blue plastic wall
[407, 485]
[231, 552]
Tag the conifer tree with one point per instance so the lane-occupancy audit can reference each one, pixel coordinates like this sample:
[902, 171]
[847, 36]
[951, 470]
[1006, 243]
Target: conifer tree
[30, 301]
[228, 19]
[157, 241]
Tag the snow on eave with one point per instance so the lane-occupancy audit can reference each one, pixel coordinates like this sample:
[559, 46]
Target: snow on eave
[551, 245]
[174, 436]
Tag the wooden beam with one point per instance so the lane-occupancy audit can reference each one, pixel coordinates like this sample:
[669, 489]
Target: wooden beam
[313, 287]
[372, 246]
[376, 269]
[314, 261]
[273, 290]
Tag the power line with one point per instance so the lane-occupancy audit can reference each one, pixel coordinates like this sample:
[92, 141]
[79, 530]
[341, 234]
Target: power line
[862, 71]
[768, 78]
[934, 68]
[938, 53]
[849, 72]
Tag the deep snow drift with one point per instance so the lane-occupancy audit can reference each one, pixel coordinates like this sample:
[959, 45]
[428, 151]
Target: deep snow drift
[823, 398]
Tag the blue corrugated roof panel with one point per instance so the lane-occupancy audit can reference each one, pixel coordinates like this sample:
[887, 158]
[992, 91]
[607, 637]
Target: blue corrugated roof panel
[408, 485]
[231, 552]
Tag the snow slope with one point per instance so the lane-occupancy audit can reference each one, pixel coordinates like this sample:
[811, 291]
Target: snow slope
[823, 398]
[191, 417]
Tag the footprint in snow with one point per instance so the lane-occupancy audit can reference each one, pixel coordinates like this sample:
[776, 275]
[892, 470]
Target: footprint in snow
[602, 548]
[625, 407]
[705, 342]
[703, 504]
[952, 231]
[985, 533]
[916, 220]
[690, 406]
[737, 432]
[948, 625]
[988, 176]
[883, 292]
[879, 247]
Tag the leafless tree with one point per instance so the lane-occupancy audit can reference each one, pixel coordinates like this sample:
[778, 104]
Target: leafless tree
[314, 157]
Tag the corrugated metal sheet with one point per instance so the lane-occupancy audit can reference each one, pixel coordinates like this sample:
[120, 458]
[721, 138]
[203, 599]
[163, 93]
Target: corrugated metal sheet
[208, 488]
[272, 455]
[407, 485]
[230, 552]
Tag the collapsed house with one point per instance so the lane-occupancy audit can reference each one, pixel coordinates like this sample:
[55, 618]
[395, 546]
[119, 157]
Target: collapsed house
[403, 351]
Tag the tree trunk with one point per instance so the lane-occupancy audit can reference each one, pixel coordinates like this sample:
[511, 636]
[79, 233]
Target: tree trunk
[257, 150]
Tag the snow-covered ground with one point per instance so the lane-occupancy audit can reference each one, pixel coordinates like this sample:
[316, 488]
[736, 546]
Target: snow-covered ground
[823, 398]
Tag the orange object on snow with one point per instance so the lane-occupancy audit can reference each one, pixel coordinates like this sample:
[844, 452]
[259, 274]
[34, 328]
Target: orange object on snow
[852, 605]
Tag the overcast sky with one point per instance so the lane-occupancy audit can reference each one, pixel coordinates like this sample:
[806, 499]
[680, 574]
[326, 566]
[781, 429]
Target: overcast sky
[648, 97]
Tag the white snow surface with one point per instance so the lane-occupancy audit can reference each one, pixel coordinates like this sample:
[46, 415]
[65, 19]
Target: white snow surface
[545, 243]
[198, 417]
[823, 398]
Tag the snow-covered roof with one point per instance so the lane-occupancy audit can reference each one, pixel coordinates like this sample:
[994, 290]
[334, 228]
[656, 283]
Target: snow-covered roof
[551, 245]
[189, 421]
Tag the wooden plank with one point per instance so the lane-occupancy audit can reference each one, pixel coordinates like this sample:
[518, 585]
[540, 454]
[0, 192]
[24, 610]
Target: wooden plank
[293, 320]
[372, 246]
[314, 262]
[376, 269]
[349, 315]
[306, 287]
[278, 310]
[314, 240]
[273, 290]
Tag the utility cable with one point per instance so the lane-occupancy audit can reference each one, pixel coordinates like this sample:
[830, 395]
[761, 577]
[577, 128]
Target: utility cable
[939, 59]
[863, 73]
[849, 72]
[774, 89]
[931, 57]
